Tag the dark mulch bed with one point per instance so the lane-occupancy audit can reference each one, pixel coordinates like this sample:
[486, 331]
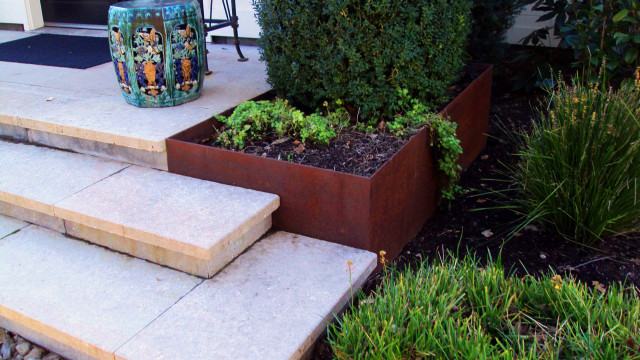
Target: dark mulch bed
[458, 229]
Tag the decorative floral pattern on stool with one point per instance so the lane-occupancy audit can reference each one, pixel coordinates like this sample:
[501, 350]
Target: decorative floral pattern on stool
[158, 50]
[149, 61]
[185, 57]
[119, 56]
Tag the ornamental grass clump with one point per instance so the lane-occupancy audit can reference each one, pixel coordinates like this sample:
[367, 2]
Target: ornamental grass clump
[363, 51]
[579, 168]
[460, 309]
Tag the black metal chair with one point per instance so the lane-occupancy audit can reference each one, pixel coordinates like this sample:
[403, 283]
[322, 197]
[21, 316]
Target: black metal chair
[231, 19]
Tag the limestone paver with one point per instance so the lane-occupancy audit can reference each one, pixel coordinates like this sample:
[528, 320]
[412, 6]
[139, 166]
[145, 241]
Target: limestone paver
[271, 303]
[81, 298]
[35, 178]
[94, 117]
[9, 225]
[194, 217]
[87, 104]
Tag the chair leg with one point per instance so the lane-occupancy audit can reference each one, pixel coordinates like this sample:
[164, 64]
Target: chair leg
[234, 26]
[204, 34]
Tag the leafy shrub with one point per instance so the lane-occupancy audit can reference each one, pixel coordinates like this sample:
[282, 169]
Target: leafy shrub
[254, 120]
[491, 20]
[362, 51]
[595, 30]
[579, 168]
[460, 310]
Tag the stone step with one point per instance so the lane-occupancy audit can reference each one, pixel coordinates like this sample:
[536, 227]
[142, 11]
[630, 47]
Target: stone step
[87, 302]
[188, 224]
[83, 109]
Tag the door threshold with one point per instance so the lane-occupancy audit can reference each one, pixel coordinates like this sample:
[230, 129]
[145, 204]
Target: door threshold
[75, 26]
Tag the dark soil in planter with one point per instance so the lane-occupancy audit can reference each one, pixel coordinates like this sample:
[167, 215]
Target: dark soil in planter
[353, 152]
[456, 228]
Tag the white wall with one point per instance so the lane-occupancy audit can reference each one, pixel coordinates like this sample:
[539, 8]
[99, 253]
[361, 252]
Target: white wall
[526, 23]
[248, 25]
[25, 12]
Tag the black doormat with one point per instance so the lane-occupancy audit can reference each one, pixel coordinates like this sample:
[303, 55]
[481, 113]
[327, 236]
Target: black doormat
[78, 52]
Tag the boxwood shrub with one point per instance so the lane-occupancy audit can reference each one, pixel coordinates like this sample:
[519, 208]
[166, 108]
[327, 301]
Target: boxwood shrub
[363, 51]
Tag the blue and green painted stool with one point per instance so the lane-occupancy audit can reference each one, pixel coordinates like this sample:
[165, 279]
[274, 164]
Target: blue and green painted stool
[158, 50]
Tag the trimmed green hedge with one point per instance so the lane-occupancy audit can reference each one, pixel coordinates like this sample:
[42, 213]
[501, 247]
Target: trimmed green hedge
[363, 51]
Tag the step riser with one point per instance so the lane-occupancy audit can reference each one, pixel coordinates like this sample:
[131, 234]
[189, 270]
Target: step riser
[153, 159]
[49, 337]
[14, 132]
[34, 217]
[189, 264]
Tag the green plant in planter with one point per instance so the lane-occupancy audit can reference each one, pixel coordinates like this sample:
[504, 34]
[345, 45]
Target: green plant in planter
[442, 134]
[362, 51]
[579, 170]
[255, 119]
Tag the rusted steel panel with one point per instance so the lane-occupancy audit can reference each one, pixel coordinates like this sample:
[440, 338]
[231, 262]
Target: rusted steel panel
[470, 109]
[404, 193]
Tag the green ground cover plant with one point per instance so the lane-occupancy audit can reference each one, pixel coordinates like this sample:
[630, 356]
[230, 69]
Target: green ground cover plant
[254, 120]
[460, 309]
[361, 52]
[579, 168]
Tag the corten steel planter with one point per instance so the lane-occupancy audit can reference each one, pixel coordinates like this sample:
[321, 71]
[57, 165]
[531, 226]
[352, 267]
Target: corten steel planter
[382, 212]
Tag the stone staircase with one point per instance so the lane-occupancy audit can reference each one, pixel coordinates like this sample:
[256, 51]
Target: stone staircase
[266, 298]
[106, 257]
[191, 225]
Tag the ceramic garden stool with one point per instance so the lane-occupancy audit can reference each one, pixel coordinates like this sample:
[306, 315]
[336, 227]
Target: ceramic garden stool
[158, 50]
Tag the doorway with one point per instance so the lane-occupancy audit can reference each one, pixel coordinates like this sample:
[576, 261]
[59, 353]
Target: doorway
[93, 12]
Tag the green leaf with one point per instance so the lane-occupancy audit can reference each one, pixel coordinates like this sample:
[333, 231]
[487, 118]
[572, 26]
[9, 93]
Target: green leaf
[630, 55]
[620, 15]
[620, 38]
